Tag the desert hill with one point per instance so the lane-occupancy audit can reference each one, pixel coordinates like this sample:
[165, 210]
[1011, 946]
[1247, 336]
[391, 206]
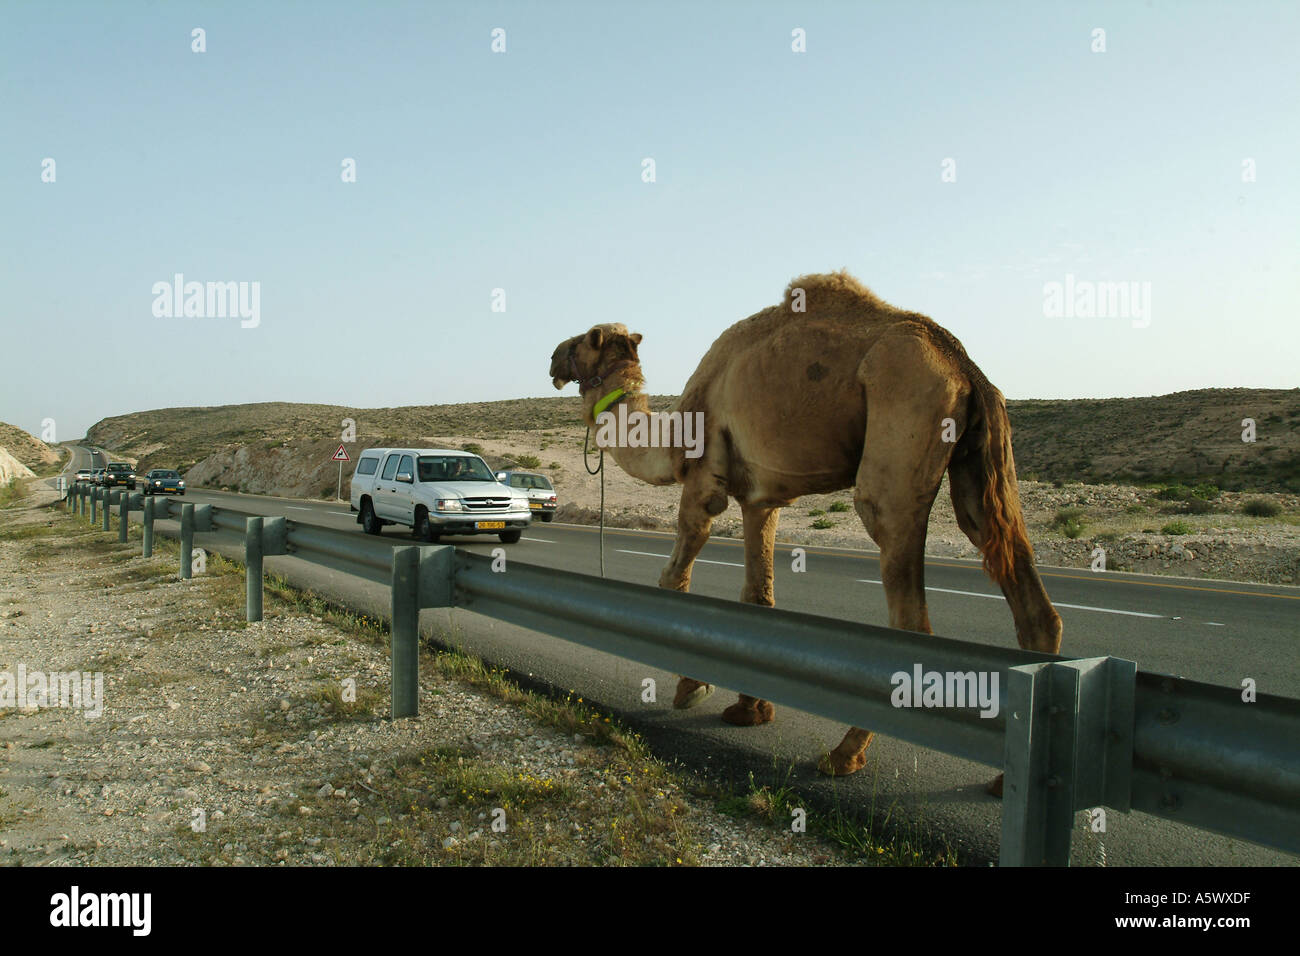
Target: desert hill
[1189, 437]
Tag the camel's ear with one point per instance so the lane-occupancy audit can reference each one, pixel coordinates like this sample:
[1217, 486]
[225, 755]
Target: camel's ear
[636, 338]
[595, 338]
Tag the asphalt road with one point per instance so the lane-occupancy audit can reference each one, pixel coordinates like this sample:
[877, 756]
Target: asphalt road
[1214, 631]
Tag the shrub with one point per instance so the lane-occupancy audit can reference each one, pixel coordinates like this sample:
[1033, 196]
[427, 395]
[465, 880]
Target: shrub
[815, 512]
[529, 461]
[839, 506]
[554, 466]
[1176, 527]
[1260, 508]
[474, 448]
[1174, 493]
[823, 523]
[1206, 491]
[1069, 521]
[1136, 508]
[1197, 506]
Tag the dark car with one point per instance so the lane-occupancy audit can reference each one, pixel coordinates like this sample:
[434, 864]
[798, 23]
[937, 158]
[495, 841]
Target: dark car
[119, 473]
[164, 481]
[540, 491]
[97, 476]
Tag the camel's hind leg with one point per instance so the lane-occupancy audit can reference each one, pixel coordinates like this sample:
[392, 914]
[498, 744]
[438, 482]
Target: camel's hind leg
[1038, 626]
[760, 546]
[910, 391]
[701, 502]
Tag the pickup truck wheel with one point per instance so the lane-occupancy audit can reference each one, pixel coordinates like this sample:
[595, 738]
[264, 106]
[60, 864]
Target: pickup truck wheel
[423, 527]
[509, 537]
[369, 523]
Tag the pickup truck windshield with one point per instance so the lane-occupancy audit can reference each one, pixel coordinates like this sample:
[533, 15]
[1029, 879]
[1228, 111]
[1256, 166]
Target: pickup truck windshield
[453, 468]
[119, 467]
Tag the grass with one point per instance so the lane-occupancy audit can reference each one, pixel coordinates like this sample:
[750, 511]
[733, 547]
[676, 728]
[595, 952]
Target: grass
[1176, 527]
[823, 523]
[778, 804]
[838, 506]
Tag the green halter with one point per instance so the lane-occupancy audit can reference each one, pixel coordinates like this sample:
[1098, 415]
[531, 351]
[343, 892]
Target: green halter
[607, 401]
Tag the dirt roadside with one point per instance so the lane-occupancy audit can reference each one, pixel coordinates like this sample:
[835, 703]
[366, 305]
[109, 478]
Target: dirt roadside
[225, 743]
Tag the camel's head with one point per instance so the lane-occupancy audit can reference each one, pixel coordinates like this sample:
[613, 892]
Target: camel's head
[584, 358]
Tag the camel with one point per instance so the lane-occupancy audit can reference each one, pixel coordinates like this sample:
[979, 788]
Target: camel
[832, 389]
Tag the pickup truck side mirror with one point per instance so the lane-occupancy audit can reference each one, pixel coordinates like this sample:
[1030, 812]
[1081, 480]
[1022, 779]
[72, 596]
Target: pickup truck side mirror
[501, 476]
[405, 477]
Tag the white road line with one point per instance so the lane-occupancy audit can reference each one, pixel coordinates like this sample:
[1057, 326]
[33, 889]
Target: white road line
[651, 554]
[1215, 624]
[543, 540]
[999, 597]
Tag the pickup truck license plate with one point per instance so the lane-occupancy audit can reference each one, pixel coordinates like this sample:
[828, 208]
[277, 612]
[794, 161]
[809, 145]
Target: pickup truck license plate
[487, 525]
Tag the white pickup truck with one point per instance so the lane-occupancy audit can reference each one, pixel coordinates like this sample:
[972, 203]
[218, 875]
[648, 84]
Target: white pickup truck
[435, 492]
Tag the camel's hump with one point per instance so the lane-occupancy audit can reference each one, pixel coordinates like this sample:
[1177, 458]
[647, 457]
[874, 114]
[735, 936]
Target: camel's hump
[827, 287]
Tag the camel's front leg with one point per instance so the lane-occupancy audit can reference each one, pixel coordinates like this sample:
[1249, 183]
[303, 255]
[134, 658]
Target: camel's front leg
[760, 545]
[699, 506]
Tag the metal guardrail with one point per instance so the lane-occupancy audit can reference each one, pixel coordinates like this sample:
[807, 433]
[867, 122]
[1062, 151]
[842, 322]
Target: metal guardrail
[1070, 734]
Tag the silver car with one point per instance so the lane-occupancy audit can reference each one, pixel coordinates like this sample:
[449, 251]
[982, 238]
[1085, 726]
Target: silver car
[540, 491]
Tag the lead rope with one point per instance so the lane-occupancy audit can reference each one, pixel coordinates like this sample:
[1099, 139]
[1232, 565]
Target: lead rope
[600, 469]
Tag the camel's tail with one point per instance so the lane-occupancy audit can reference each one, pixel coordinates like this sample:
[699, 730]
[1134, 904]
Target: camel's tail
[1003, 522]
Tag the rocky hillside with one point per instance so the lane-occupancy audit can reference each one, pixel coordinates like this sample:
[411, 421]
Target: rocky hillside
[31, 452]
[1186, 437]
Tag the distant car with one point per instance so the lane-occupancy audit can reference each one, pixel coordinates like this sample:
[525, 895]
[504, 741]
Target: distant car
[540, 491]
[119, 473]
[435, 492]
[164, 481]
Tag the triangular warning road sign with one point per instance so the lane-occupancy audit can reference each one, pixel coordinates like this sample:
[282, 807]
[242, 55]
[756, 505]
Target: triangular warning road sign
[341, 455]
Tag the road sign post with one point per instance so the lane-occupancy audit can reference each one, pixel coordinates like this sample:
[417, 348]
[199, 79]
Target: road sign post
[340, 456]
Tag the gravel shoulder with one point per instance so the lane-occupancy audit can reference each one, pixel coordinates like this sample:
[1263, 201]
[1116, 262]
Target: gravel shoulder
[227, 743]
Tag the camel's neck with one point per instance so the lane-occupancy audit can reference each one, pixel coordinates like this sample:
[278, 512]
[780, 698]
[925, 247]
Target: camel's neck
[653, 465]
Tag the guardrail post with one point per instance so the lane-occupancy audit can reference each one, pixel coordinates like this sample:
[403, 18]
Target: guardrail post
[187, 542]
[148, 527]
[94, 504]
[422, 577]
[1069, 746]
[406, 632]
[123, 516]
[262, 537]
[253, 567]
[105, 507]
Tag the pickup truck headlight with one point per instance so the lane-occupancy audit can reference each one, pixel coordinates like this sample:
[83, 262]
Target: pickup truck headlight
[448, 504]
[180, 484]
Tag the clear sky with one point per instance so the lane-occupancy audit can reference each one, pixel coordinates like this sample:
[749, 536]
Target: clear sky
[523, 171]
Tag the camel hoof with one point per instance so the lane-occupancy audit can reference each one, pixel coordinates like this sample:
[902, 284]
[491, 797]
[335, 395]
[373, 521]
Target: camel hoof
[837, 765]
[995, 788]
[691, 692]
[745, 716]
